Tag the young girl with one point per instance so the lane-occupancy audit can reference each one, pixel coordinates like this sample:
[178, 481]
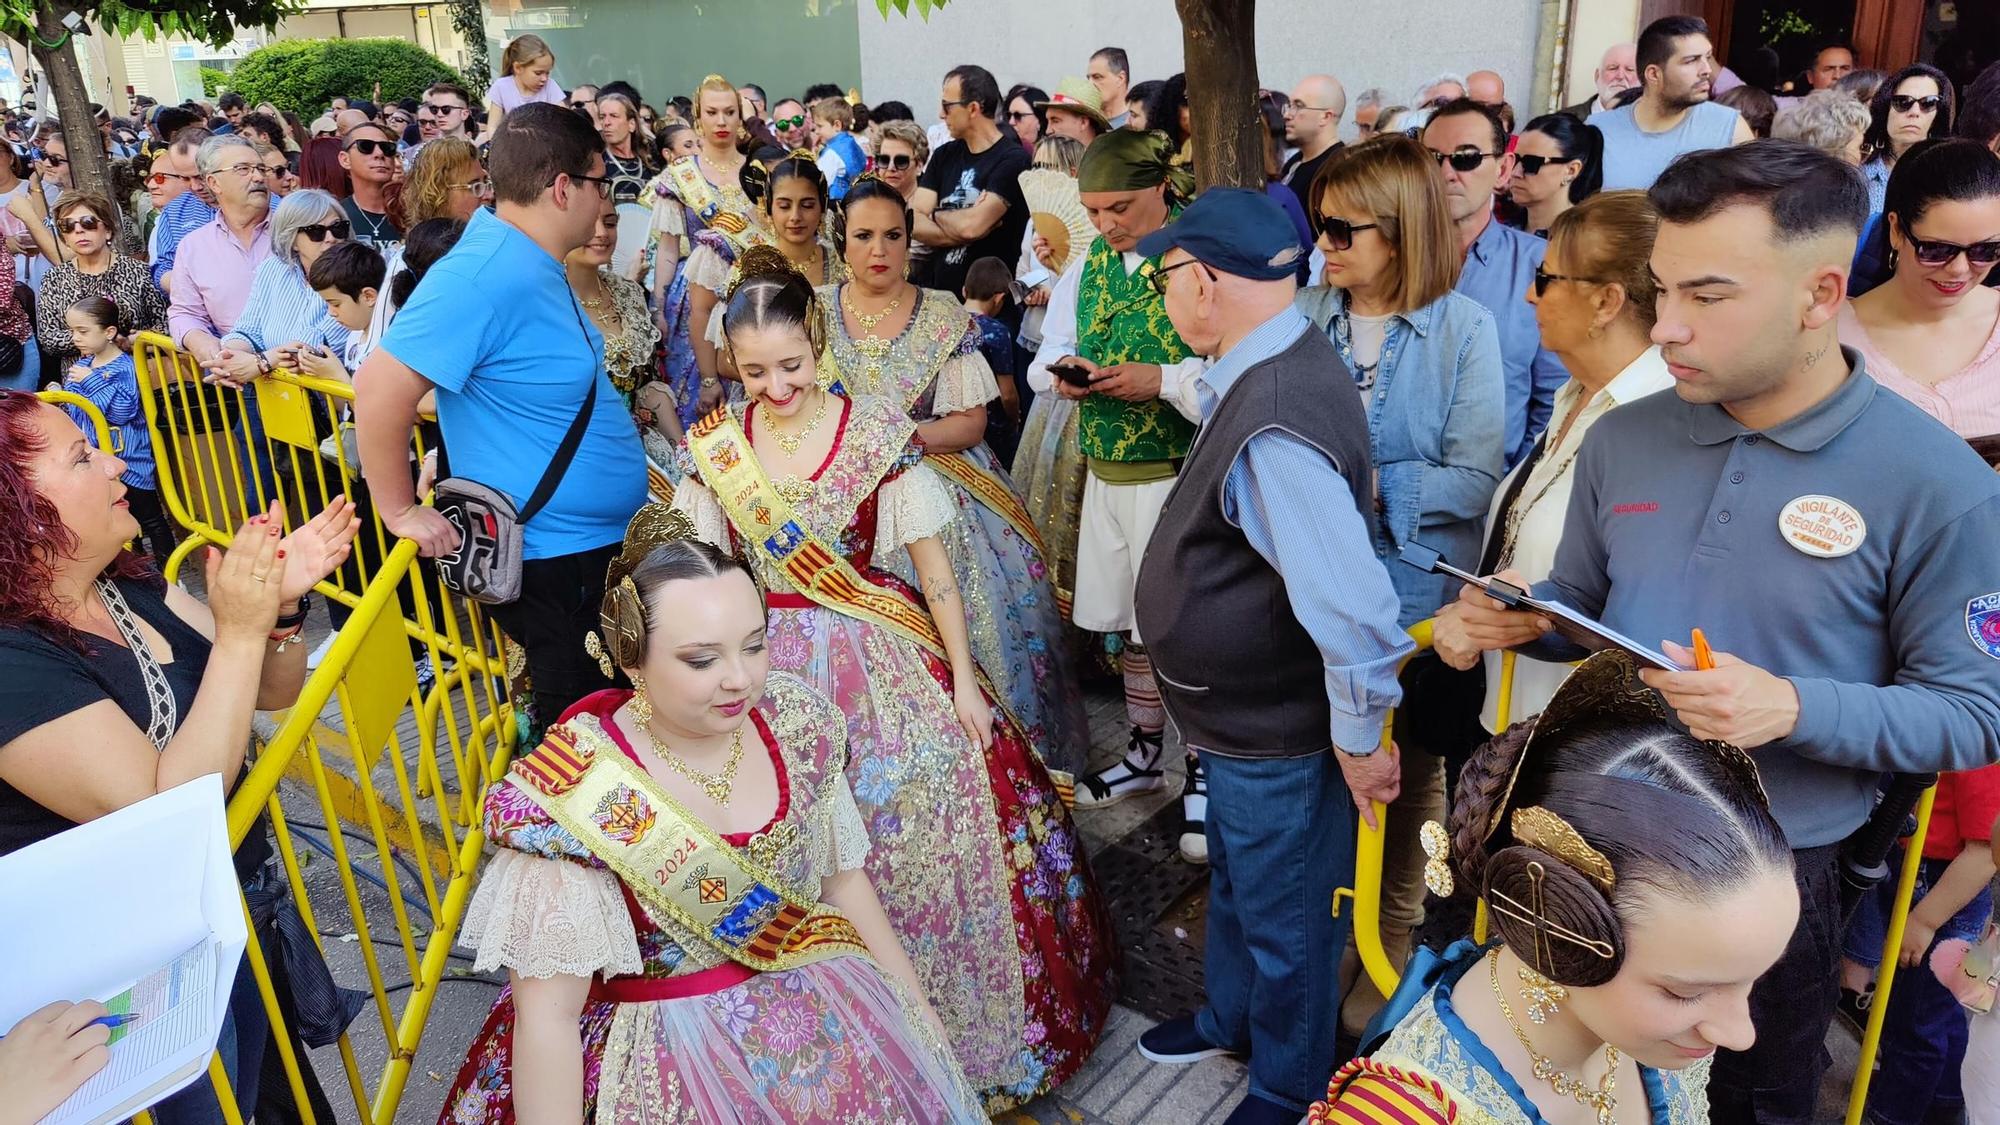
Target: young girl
[524, 78]
[104, 375]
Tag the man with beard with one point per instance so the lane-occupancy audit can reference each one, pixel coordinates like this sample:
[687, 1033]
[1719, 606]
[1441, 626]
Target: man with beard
[1312, 125]
[1674, 115]
[1617, 71]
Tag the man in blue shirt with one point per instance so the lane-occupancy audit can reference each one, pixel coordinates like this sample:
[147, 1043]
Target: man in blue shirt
[1278, 678]
[1469, 142]
[495, 330]
[1832, 538]
[185, 213]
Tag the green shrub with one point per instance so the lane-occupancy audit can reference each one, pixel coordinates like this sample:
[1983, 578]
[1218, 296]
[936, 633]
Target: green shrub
[212, 81]
[303, 75]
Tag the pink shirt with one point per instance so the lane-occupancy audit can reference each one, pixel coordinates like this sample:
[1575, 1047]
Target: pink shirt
[507, 94]
[1968, 400]
[211, 279]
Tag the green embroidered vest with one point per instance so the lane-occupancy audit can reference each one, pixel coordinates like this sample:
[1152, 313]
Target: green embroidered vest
[1120, 319]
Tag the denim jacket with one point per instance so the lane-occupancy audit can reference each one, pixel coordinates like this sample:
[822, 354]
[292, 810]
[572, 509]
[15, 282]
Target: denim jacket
[1436, 430]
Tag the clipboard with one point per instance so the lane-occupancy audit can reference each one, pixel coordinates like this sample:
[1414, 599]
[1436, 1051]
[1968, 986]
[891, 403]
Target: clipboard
[1572, 626]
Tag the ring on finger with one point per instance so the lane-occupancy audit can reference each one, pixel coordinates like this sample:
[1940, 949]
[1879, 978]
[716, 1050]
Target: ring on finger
[261, 575]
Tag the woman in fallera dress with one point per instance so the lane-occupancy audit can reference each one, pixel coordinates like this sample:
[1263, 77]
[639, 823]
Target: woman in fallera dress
[678, 895]
[976, 860]
[920, 349]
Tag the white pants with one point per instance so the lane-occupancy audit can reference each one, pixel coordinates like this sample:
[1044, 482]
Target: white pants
[1980, 1075]
[1113, 529]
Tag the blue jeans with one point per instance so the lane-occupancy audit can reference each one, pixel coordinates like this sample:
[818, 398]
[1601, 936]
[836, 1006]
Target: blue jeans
[1924, 1034]
[1280, 839]
[254, 452]
[246, 1029]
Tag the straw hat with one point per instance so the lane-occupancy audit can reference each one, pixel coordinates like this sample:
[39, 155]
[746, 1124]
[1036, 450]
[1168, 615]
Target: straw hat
[1077, 95]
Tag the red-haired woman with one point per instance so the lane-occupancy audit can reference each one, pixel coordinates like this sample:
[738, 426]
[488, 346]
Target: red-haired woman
[319, 167]
[115, 685]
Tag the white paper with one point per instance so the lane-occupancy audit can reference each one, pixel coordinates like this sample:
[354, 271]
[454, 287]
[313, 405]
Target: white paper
[144, 901]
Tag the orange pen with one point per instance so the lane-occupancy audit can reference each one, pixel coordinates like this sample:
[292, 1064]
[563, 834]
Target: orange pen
[1704, 657]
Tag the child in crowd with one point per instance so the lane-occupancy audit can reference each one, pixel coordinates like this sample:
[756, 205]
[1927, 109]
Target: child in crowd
[1924, 1036]
[524, 77]
[839, 155]
[985, 294]
[103, 373]
[348, 277]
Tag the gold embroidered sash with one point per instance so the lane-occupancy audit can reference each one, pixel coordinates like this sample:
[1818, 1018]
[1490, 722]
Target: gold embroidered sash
[723, 457]
[692, 882]
[693, 189]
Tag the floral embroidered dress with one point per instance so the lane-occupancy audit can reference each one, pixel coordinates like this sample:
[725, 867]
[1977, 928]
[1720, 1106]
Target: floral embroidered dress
[975, 858]
[711, 225]
[1015, 621]
[628, 356]
[675, 1030]
[1049, 470]
[1431, 1069]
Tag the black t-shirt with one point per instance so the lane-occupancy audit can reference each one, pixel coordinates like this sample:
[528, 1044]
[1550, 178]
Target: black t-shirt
[1299, 177]
[959, 176]
[628, 177]
[371, 227]
[42, 681]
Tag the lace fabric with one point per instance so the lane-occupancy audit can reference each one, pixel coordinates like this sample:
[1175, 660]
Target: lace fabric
[914, 505]
[850, 835]
[964, 382]
[549, 917]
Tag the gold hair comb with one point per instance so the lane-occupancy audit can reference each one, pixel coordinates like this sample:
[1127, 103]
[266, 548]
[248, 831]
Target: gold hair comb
[1537, 827]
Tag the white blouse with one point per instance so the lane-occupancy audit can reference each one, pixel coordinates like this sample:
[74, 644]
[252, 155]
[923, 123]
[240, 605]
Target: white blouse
[1544, 500]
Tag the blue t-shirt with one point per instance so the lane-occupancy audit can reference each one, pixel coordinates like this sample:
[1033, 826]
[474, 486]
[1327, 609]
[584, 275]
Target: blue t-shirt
[1634, 158]
[114, 388]
[495, 327]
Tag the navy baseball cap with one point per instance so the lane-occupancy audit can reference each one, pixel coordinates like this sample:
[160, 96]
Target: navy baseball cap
[1235, 231]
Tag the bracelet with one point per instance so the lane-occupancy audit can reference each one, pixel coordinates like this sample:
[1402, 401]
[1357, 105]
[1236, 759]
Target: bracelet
[287, 640]
[710, 381]
[296, 618]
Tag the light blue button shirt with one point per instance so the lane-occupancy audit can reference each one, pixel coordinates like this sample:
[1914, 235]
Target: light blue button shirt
[1499, 270]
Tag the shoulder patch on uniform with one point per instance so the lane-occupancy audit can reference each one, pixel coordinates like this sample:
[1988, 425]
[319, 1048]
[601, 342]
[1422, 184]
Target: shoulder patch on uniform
[1982, 623]
[555, 765]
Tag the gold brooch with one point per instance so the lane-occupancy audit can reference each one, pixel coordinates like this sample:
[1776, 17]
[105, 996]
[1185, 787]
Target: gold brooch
[1437, 864]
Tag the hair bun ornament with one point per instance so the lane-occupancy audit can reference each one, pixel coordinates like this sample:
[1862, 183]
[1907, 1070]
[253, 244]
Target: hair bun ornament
[621, 642]
[1558, 920]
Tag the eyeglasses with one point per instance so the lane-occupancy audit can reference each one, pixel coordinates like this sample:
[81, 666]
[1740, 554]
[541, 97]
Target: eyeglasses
[438, 110]
[1543, 278]
[481, 188]
[784, 123]
[603, 182]
[1533, 165]
[246, 170]
[368, 146]
[159, 179]
[896, 163]
[1158, 278]
[339, 229]
[947, 107]
[1935, 252]
[1296, 106]
[1904, 103]
[81, 222]
[1339, 233]
[1463, 160]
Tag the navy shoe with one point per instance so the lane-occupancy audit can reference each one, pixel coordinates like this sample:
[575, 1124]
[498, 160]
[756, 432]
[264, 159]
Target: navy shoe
[1176, 1042]
[1262, 1111]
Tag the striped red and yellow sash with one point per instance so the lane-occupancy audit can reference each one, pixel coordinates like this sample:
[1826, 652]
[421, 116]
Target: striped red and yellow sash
[1365, 1092]
[698, 888]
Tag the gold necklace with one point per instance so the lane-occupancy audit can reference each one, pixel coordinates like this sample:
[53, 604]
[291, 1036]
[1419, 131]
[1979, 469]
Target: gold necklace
[868, 321]
[718, 786]
[790, 442]
[814, 266]
[1601, 1099]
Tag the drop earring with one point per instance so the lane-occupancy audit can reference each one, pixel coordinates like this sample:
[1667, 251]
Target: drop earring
[1543, 995]
[642, 707]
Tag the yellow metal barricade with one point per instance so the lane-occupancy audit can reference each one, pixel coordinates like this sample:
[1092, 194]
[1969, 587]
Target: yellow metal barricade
[100, 429]
[1885, 973]
[399, 766]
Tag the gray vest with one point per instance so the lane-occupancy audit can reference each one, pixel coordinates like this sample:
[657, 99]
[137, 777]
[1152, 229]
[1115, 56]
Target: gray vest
[1240, 676]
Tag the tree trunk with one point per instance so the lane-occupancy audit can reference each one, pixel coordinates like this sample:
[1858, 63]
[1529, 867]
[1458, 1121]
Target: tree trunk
[88, 167]
[1220, 41]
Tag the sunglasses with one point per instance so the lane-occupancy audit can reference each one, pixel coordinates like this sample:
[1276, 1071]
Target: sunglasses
[1544, 278]
[1531, 165]
[1018, 115]
[1904, 103]
[323, 133]
[583, 104]
[1158, 278]
[159, 179]
[896, 163]
[54, 161]
[1339, 233]
[369, 147]
[318, 232]
[81, 222]
[784, 123]
[1462, 161]
[947, 107]
[277, 171]
[442, 110]
[1933, 252]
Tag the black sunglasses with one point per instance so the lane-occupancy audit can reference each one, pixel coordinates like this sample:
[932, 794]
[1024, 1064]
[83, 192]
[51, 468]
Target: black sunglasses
[896, 163]
[438, 110]
[1532, 165]
[1339, 233]
[368, 146]
[1904, 103]
[1543, 278]
[783, 123]
[1935, 252]
[81, 222]
[339, 229]
[1462, 161]
[55, 161]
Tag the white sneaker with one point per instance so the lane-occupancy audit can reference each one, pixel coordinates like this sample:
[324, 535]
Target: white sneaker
[1194, 813]
[318, 655]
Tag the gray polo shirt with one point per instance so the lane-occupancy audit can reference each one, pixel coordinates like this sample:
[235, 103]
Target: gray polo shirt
[1851, 549]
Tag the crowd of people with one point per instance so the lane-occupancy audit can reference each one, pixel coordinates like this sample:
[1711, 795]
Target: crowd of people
[844, 451]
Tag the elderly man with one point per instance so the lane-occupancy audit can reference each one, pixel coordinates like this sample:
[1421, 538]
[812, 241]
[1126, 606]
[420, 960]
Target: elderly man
[583, 99]
[1617, 71]
[1444, 88]
[1278, 678]
[1368, 109]
[1486, 87]
[495, 330]
[1312, 125]
[189, 204]
[1111, 75]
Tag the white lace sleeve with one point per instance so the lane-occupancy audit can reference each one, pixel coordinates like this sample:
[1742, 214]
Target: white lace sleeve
[669, 217]
[549, 917]
[965, 382]
[914, 504]
[693, 498]
[714, 333]
[850, 835]
[706, 268]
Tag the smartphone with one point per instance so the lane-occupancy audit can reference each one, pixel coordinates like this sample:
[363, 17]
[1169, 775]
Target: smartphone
[1075, 374]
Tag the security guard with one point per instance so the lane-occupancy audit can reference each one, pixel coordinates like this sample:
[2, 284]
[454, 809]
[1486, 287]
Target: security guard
[1837, 542]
